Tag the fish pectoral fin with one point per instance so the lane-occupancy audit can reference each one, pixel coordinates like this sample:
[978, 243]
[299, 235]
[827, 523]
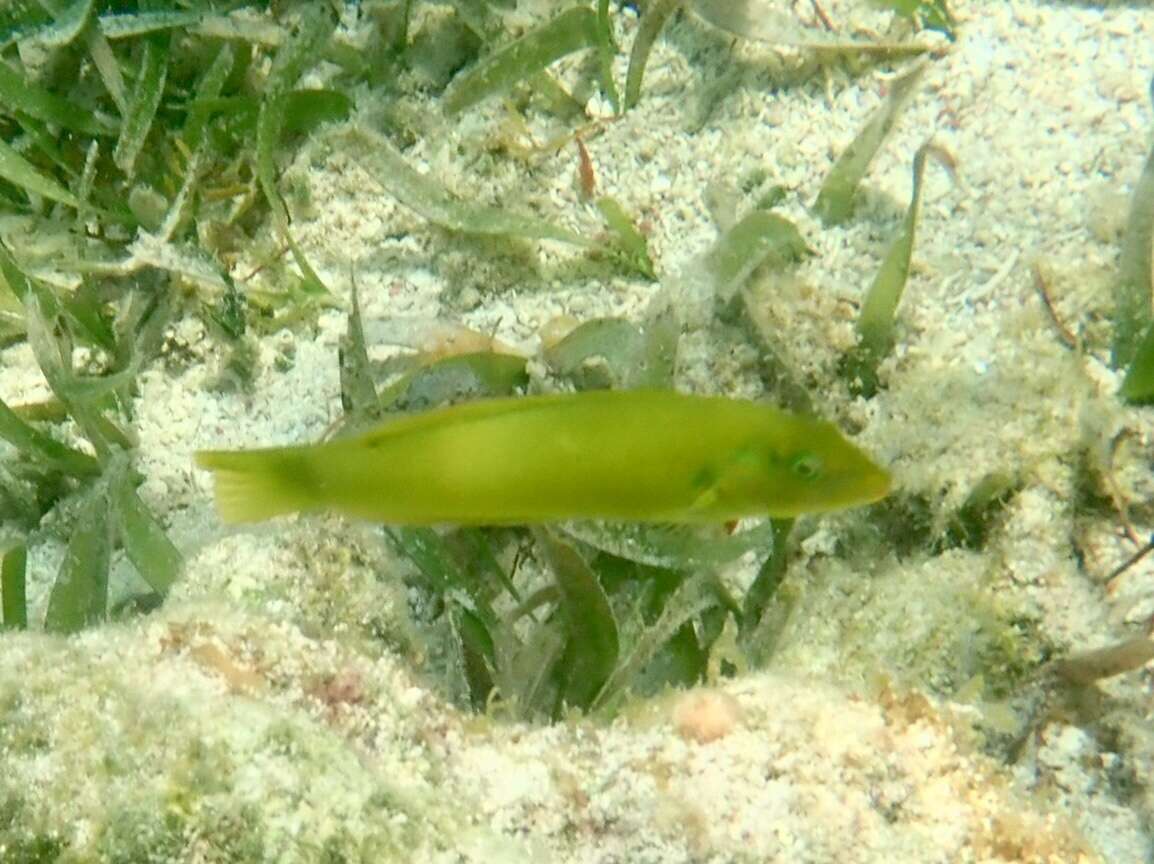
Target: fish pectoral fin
[705, 502]
[723, 487]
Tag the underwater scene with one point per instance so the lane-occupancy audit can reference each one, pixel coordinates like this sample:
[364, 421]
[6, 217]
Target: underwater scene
[577, 431]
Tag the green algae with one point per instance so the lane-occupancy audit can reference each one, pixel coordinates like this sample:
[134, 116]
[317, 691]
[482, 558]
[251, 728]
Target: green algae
[23, 841]
[970, 526]
[930, 14]
[631, 243]
[165, 773]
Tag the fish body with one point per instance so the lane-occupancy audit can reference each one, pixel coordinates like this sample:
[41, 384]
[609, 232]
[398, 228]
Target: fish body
[629, 455]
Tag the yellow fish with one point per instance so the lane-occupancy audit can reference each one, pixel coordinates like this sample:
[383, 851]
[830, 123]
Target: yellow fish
[626, 455]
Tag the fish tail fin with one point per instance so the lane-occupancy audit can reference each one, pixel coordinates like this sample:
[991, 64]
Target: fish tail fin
[253, 485]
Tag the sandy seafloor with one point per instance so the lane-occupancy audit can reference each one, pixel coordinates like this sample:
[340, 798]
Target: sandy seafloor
[276, 707]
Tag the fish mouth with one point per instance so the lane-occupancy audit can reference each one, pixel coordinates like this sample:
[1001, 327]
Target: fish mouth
[876, 484]
[866, 484]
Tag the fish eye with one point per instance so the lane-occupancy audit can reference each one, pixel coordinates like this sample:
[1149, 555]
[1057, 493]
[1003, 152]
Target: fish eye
[807, 466]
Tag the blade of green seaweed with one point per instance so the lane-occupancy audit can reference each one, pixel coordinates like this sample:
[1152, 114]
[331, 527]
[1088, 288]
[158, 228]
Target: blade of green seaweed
[478, 655]
[569, 31]
[692, 597]
[122, 25]
[606, 50]
[592, 630]
[81, 396]
[432, 556]
[768, 579]
[526, 671]
[148, 547]
[758, 238]
[878, 316]
[300, 52]
[359, 397]
[18, 94]
[39, 447]
[652, 22]
[1135, 281]
[614, 341]
[19, 171]
[68, 23]
[87, 180]
[661, 333]
[755, 19]
[1138, 385]
[142, 104]
[835, 200]
[79, 596]
[431, 200]
[13, 587]
[673, 547]
[209, 87]
[108, 68]
[453, 379]
[248, 29]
